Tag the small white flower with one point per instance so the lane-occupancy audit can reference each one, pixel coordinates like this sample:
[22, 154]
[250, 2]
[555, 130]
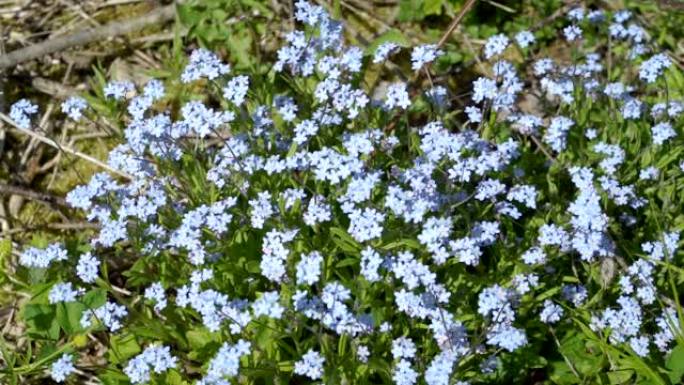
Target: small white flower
[74, 106]
[524, 38]
[64, 292]
[311, 365]
[62, 368]
[397, 96]
[496, 45]
[424, 54]
[572, 32]
[384, 51]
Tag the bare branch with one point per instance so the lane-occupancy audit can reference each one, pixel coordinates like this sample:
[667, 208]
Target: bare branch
[107, 31]
[456, 21]
[62, 147]
[31, 194]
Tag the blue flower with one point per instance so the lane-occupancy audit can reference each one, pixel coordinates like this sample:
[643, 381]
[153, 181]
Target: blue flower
[62, 368]
[21, 113]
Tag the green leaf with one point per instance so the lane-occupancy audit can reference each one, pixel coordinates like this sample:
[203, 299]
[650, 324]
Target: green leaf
[253, 267]
[393, 36]
[380, 366]
[259, 6]
[69, 316]
[39, 240]
[189, 16]
[548, 294]
[292, 150]
[620, 377]
[219, 14]
[198, 338]
[172, 377]
[644, 372]
[265, 339]
[432, 7]
[562, 374]
[153, 329]
[113, 377]
[347, 262]
[46, 351]
[402, 243]
[122, 348]
[286, 366]
[94, 298]
[410, 10]
[41, 321]
[344, 241]
[675, 364]
[342, 345]
[240, 45]
[575, 348]
[5, 250]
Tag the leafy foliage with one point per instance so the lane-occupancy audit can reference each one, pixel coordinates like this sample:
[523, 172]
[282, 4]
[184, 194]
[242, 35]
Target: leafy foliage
[281, 223]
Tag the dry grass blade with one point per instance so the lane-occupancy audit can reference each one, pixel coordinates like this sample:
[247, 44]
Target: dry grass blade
[28, 193]
[466, 7]
[64, 148]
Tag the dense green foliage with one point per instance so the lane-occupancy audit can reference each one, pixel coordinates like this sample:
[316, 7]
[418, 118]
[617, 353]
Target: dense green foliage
[199, 175]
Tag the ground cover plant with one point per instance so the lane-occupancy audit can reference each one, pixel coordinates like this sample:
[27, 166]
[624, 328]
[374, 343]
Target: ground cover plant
[284, 224]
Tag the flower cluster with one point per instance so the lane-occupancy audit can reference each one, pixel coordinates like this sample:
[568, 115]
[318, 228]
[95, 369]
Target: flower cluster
[157, 359]
[311, 221]
[62, 368]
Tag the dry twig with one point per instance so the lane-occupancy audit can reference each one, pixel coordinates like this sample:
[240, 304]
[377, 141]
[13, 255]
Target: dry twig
[63, 148]
[464, 10]
[61, 226]
[118, 28]
[31, 194]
